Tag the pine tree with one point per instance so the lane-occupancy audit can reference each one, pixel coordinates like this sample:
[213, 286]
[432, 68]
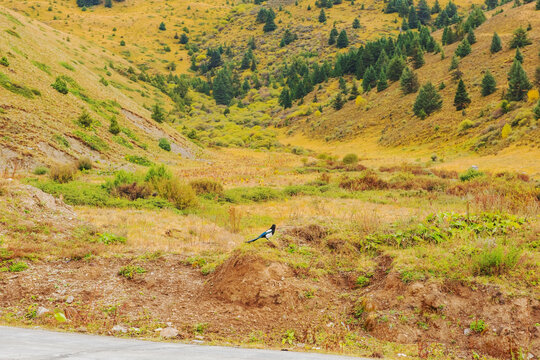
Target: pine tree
[251, 43]
[404, 25]
[342, 85]
[370, 78]
[356, 23]
[471, 38]
[519, 39]
[269, 25]
[184, 39]
[158, 113]
[108, 3]
[454, 63]
[413, 18]
[492, 4]
[423, 12]
[395, 68]
[322, 16]
[461, 99]
[489, 85]
[418, 57]
[518, 82]
[382, 83]
[495, 44]
[536, 110]
[285, 98]
[333, 36]
[518, 56]
[537, 7]
[114, 128]
[354, 91]
[162, 26]
[223, 87]
[246, 60]
[338, 102]
[245, 86]
[427, 101]
[436, 7]
[463, 49]
[342, 40]
[408, 81]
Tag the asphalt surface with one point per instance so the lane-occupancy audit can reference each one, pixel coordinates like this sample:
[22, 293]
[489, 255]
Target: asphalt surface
[34, 344]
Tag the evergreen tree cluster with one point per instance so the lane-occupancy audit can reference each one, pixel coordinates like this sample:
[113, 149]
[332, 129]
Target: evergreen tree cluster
[87, 3]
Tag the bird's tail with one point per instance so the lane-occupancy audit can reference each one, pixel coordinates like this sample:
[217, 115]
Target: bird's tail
[250, 241]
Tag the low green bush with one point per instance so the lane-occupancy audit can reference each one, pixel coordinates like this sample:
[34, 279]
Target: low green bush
[251, 194]
[164, 144]
[470, 174]
[40, 170]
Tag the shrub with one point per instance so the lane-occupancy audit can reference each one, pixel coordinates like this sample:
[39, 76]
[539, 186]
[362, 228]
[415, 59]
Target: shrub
[84, 163]
[62, 173]
[114, 128]
[85, 120]
[132, 191]
[60, 85]
[478, 326]
[40, 170]
[164, 144]
[182, 196]
[206, 186]
[139, 160]
[4, 61]
[465, 125]
[362, 281]
[350, 159]
[129, 271]
[495, 261]
[255, 194]
[157, 173]
[470, 174]
[111, 239]
[368, 181]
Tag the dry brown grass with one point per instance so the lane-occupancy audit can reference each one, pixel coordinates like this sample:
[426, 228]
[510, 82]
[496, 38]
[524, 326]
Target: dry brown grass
[62, 173]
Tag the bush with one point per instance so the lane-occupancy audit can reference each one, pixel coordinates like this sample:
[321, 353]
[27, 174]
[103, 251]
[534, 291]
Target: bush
[85, 120]
[129, 271]
[157, 173]
[62, 173]
[60, 86]
[206, 186]
[478, 326]
[139, 160]
[465, 124]
[4, 61]
[350, 159]
[470, 174]
[84, 163]
[40, 170]
[368, 181]
[164, 144]
[111, 239]
[182, 196]
[495, 261]
[114, 128]
[255, 194]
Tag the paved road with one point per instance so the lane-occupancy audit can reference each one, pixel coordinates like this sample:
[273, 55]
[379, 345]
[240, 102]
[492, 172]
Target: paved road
[26, 344]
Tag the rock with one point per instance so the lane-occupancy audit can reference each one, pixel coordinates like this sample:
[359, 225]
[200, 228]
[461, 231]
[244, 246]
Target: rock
[42, 311]
[169, 333]
[199, 337]
[467, 332]
[119, 328]
[197, 341]
[70, 299]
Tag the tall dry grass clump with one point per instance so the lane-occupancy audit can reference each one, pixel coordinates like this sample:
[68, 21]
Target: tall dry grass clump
[206, 186]
[62, 173]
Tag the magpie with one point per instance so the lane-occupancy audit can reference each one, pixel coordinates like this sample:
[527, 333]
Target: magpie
[267, 234]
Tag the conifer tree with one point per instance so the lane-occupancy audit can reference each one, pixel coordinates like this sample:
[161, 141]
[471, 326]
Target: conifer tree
[333, 36]
[356, 23]
[518, 82]
[461, 99]
[395, 68]
[223, 87]
[251, 43]
[269, 25]
[342, 85]
[322, 16]
[519, 39]
[338, 102]
[423, 12]
[489, 85]
[158, 113]
[246, 60]
[536, 110]
[342, 40]
[108, 3]
[436, 7]
[463, 49]
[491, 4]
[471, 38]
[495, 44]
[418, 57]
[408, 81]
[354, 91]
[537, 7]
[427, 101]
[184, 39]
[114, 128]
[413, 18]
[285, 98]
[404, 25]
[369, 80]
[454, 63]
[162, 26]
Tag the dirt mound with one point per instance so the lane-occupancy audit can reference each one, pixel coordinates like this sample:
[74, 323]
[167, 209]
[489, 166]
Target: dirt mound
[307, 234]
[253, 281]
[32, 200]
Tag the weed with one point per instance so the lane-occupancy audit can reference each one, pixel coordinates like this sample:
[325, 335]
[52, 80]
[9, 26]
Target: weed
[495, 261]
[129, 271]
[362, 281]
[478, 326]
[84, 163]
[139, 160]
[199, 328]
[40, 170]
[15, 88]
[288, 337]
[206, 186]
[111, 239]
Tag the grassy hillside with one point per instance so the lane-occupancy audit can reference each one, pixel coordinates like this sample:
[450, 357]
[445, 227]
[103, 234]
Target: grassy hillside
[42, 125]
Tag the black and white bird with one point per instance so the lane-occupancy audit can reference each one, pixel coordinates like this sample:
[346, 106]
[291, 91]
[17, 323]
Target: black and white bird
[267, 234]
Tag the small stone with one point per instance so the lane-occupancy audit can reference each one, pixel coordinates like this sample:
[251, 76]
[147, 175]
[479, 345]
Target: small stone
[134, 329]
[197, 341]
[119, 328]
[199, 337]
[70, 299]
[467, 332]
[158, 329]
[402, 355]
[42, 311]
[169, 333]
